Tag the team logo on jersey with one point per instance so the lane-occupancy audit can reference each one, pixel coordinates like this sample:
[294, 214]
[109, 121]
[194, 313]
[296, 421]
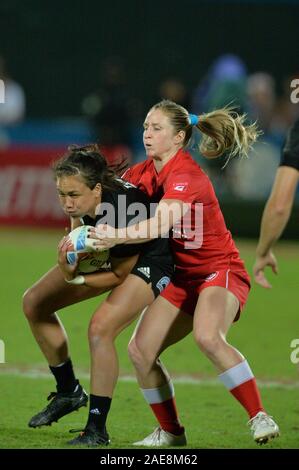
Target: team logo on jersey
[212, 276]
[146, 271]
[164, 281]
[180, 186]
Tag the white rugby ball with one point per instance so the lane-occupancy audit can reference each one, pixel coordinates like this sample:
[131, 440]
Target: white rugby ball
[80, 242]
[89, 262]
[82, 251]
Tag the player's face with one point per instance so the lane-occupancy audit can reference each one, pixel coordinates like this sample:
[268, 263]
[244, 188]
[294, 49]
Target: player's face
[76, 198]
[159, 137]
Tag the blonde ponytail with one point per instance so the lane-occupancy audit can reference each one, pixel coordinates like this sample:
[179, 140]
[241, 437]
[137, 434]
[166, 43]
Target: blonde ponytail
[224, 131]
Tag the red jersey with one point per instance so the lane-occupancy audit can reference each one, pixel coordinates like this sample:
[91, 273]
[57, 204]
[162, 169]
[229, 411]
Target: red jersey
[182, 178]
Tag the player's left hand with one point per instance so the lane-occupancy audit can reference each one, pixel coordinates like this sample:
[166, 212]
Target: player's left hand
[259, 266]
[104, 237]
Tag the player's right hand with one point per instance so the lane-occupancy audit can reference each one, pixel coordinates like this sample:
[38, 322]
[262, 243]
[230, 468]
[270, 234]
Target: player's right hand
[68, 270]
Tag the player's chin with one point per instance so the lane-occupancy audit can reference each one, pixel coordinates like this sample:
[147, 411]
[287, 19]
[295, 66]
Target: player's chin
[74, 214]
[149, 152]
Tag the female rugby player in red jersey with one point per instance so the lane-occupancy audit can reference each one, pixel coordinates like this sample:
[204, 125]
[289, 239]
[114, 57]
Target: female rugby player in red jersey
[210, 285]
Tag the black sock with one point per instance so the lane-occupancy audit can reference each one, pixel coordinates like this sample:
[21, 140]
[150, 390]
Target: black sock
[98, 410]
[65, 377]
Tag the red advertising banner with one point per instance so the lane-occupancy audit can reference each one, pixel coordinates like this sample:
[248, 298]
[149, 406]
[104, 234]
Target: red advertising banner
[27, 190]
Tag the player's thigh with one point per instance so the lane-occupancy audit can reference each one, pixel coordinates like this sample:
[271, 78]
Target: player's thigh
[124, 303]
[161, 325]
[51, 292]
[215, 311]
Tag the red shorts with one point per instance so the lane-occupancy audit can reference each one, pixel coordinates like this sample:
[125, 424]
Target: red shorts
[184, 293]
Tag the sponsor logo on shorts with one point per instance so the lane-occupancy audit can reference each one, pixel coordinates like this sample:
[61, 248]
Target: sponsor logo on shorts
[212, 276]
[146, 271]
[162, 283]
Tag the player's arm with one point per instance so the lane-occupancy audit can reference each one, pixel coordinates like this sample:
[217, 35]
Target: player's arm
[168, 213]
[275, 217]
[278, 208]
[120, 268]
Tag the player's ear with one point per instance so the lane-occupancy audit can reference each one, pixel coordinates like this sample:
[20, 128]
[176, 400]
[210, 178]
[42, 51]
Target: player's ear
[98, 189]
[179, 137]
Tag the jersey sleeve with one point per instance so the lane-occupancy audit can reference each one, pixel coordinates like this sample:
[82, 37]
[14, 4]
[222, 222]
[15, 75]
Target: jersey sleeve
[290, 151]
[183, 187]
[132, 174]
[127, 175]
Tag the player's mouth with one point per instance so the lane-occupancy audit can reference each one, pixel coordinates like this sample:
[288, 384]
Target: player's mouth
[70, 212]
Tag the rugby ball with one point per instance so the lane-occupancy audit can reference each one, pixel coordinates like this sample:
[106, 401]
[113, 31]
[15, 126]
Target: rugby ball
[89, 262]
[80, 242]
[81, 250]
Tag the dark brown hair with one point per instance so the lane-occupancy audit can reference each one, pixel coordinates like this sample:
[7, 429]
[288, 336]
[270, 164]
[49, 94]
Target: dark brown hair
[91, 165]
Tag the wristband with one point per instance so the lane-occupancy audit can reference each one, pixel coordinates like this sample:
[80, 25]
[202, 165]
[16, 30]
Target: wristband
[78, 281]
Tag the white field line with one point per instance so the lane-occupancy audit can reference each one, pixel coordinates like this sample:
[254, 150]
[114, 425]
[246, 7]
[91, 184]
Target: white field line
[180, 379]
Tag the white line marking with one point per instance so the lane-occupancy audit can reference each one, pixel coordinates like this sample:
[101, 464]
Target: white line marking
[180, 379]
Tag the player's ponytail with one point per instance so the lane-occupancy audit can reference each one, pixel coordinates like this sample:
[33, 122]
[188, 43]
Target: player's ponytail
[223, 130]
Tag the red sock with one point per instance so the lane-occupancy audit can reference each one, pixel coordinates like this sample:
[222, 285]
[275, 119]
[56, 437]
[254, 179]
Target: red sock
[249, 396]
[166, 414]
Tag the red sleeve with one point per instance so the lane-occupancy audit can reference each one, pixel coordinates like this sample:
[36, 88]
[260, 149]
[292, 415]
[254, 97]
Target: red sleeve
[127, 175]
[132, 175]
[183, 187]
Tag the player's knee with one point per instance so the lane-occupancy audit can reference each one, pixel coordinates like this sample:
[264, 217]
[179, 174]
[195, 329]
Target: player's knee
[139, 356]
[99, 329]
[209, 343]
[29, 303]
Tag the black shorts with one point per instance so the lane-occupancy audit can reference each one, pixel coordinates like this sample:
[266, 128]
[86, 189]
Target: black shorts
[154, 270]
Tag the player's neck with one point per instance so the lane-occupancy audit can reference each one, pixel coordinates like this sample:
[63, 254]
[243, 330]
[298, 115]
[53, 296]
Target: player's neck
[161, 160]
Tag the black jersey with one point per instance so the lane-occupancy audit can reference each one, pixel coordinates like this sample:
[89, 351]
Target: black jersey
[118, 209]
[290, 151]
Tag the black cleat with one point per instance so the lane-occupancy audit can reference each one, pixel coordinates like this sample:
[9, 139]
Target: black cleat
[90, 437]
[61, 405]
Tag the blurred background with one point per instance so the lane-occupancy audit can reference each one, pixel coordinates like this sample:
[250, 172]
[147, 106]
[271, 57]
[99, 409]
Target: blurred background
[78, 72]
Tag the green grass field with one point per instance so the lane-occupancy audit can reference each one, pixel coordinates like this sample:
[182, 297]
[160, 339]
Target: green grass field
[211, 416]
